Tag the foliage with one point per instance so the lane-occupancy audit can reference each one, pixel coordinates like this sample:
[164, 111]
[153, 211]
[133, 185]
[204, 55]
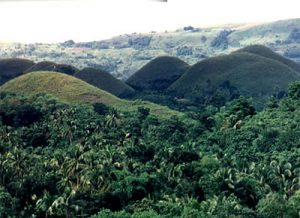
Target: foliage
[79, 160]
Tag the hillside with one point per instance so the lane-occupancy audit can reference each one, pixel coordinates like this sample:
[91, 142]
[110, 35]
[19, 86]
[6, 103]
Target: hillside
[105, 81]
[72, 90]
[277, 32]
[51, 66]
[240, 73]
[158, 74]
[268, 53]
[13, 67]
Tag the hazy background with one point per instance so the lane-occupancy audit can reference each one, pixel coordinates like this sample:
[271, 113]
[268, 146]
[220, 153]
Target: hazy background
[87, 20]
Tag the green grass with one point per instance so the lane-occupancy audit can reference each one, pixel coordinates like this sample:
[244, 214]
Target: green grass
[13, 67]
[105, 81]
[158, 74]
[72, 90]
[268, 53]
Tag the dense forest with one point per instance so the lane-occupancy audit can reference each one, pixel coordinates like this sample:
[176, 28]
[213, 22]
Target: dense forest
[82, 160]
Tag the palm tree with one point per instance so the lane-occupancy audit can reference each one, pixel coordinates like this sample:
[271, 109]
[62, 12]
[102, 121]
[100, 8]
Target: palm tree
[74, 165]
[112, 120]
[8, 137]
[64, 123]
[44, 203]
[60, 206]
[209, 205]
[261, 173]
[279, 173]
[228, 176]
[65, 184]
[16, 161]
[286, 178]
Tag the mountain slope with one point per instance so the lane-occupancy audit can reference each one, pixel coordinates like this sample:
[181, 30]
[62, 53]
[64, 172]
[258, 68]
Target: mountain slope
[104, 81]
[72, 90]
[240, 72]
[265, 33]
[13, 67]
[158, 74]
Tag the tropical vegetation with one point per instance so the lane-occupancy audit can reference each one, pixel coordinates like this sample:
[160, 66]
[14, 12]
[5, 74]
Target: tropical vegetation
[91, 160]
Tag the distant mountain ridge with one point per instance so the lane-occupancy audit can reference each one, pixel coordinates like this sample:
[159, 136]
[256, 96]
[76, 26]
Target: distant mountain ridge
[124, 55]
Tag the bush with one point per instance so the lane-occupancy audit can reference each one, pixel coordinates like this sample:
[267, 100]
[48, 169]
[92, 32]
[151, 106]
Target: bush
[294, 90]
[273, 205]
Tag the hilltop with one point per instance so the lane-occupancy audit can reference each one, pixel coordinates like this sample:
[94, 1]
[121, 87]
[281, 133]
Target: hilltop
[72, 90]
[51, 66]
[104, 81]
[244, 72]
[268, 53]
[158, 74]
[13, 67]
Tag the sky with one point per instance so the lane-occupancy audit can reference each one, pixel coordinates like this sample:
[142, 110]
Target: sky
[51, 21]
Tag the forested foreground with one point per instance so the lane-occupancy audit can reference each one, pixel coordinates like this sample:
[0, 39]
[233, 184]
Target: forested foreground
[61, 160]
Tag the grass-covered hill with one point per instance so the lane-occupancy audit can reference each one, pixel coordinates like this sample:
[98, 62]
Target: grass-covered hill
[268, 53]
[13, 67]
[158, 74]
[72, 90]
[254, 72]
[104, 81]
[51, 66]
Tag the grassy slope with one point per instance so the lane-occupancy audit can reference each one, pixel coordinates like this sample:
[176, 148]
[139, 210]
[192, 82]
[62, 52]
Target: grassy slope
[11, 68]
[268, 53]
[104, 81]
[254, 75]
[158, 74]
[72, 90]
